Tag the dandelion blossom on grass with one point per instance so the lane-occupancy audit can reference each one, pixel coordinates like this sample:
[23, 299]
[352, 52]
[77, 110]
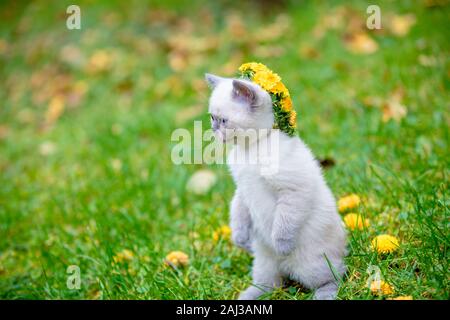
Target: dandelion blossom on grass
[385, 243]
[223, 232]
[348, 202]
[380, 287]
[177, 258]
[355, 221]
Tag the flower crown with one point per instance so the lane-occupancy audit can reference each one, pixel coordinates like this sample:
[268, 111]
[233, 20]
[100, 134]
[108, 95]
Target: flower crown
[285, 115]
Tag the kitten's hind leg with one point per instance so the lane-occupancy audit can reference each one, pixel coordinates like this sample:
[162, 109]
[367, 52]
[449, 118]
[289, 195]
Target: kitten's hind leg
[327, 291]
[266, 277]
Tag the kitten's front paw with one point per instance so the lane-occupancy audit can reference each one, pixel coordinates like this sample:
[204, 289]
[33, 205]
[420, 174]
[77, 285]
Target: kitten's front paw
[242, 240]
[251, 293]
[283, 246]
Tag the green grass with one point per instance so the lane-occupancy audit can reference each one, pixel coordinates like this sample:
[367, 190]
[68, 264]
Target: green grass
[110, 184]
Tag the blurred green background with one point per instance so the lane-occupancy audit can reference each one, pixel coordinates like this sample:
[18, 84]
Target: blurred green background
[86, 118]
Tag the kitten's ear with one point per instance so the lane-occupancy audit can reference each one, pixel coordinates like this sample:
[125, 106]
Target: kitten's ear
[212, 80]
[244, 92]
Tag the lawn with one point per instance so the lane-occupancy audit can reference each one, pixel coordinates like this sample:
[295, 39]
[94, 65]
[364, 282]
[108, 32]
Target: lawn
[86, 118]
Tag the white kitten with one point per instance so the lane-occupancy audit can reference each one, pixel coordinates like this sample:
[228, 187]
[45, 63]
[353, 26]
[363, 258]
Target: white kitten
[288, 220]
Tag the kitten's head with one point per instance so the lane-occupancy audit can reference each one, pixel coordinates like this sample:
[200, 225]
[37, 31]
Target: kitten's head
[237, 105]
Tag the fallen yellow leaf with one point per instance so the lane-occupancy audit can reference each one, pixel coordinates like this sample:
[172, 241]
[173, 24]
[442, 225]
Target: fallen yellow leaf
[360, 43]
[55, 109]
[177, 258]
[393, 108]
[400, 25]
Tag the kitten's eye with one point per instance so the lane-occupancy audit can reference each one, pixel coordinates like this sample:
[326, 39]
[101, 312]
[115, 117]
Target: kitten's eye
[223, 121]
[212, 117]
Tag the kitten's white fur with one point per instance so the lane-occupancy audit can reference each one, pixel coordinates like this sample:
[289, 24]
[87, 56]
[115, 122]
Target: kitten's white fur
[288, 220]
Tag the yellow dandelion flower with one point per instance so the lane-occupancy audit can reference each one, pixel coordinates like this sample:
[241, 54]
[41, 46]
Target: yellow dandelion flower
[348, 202]
[253, 66]
[280, 88]
[380, 287]
[286, 104]
[266, 79]
[223, 232]
[355, 221]
[177, 258]
[385, 243]
[403, 298]
[124, 255]
[293, 119]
